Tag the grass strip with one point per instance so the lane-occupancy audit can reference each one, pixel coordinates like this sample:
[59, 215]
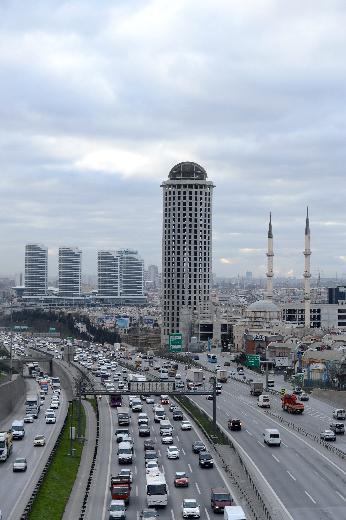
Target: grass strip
[55, 491]
[202, 420]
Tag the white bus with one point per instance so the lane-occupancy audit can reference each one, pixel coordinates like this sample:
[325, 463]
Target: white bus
[156, 489]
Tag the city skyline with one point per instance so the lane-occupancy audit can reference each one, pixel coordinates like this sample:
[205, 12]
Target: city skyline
[83, 154]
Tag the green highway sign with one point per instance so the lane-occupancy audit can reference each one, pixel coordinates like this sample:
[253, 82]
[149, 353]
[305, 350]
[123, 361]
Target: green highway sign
[176, 342]
[252, 360]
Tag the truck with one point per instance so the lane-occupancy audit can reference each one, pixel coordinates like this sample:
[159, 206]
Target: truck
[115, 400]
[256, 388]
[222, 375]
[120, 488]
[290, 404]
[219, 499]
[33, 404]
[6, 445]
[195, 376]
[234, 513]
[123, 415]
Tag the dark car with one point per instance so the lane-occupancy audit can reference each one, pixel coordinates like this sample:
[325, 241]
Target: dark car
[198, 446]
[196, 357]
[337, 427]
[178, 415]
[144, 430]
[205, 460]
[149, 445]
[149, 514]
[227, 364]
[234, 424]
[219, 499]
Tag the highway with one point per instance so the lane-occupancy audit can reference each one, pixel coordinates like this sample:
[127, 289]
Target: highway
[16, 488]
[309, 480]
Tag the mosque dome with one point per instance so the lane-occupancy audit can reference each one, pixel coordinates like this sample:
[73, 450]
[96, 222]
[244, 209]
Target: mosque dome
[263, 306]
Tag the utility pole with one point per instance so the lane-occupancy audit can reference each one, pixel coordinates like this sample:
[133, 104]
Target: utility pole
[71, 425]
[214, 405]
[266, 363]
[11, 343]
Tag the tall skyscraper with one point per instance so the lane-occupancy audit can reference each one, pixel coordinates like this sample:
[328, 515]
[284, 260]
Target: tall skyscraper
[307, 274]
[36, 270]
[108, 273]
[131, 269]
[70, 271]
[186, 243]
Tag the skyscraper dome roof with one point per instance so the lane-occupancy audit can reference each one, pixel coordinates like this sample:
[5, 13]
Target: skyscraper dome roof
[187, 170]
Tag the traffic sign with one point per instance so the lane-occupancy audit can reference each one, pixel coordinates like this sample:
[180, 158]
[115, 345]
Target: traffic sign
[152, 386]
[253, 360]
[175, 342]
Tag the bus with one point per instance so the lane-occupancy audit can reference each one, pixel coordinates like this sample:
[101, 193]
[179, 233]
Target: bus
[156, 489]
[115, 400]
[212, 358]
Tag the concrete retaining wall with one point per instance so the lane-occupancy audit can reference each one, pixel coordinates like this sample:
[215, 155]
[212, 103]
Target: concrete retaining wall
[12, 395]
[333, 397]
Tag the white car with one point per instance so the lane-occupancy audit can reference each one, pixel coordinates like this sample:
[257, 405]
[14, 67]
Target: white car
[186, 425]
[149, 400]
[172, 452]
[19, 465]
[190, 508]
[29, 418]
[124, 472]
[39, 440]
[54, 405]
[50, 418]
[151, 466]
[167, 439]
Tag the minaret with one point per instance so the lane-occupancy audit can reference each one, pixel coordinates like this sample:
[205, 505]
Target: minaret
[307, 274]
[270, 255]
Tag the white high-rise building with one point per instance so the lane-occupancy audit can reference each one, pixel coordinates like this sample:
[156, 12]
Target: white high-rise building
[70, 271]
[186, 243]
[131, 269]
[108, 274]
[36, 270]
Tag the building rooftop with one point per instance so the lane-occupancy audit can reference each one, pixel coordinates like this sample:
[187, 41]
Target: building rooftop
[263, 306]
[187, 170]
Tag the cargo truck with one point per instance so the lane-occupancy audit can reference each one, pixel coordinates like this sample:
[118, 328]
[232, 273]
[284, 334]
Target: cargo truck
[6, 444]
[256, 388]
[195, 376]
[290, 404]
[123, 415]
[33, 404]
[120, 488]
[222, 376]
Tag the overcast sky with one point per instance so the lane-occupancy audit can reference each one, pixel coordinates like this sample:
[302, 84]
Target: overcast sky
[100, 98]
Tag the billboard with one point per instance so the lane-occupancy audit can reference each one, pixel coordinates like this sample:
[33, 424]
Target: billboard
[122, 323]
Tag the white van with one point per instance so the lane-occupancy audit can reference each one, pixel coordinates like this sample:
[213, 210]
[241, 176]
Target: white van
[233, 513]
[263, 401]
[125, 453]
[18, 430]
[272, 437]
[166, 427]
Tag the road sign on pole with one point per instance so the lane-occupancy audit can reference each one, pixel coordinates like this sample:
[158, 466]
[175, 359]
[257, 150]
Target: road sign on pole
[253, 360]
[175, 342]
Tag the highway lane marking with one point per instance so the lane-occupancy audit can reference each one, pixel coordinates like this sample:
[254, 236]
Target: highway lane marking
[189, 465]
[135, 470]
[290, 474]
[109, 459]
[172, 514]
[182, 449]
[284, 444]
[258, 442]
[178, 438]
[197, 486]
[312, 500]
[136, 491]
[277, 460]
[159, 452]
[247, 431]
[207, 514]
[340, 495]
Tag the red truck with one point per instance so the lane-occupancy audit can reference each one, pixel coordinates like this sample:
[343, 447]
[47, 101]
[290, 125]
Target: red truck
[219, 499]
[120, 488]
[290, 404]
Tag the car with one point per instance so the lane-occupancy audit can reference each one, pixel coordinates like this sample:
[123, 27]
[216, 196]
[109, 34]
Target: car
[149, 445]
[205, 460]
[240, 372]
[227, 364]
[20, 464]
[152, 465]
[179, 384]
[173, 407]
[328, 435]
[178, 415]
[167, 439]
[339, 414]
[186, 425]
[150, 455]
[337, 427]
[164, 399]
[149, 400]
[198, 446]
[50, 418]
[39, 440]
[190, 508]
[218, 367]
[117, 509]
[144, 430]
[149, 514]
[121, 385]
[29, 419]
[234, 424]
[297, 390]
[54, 405]
[181, 479]
[125, 472]
[177, 376]
[172, 452]
[209, 397]
[304, 396]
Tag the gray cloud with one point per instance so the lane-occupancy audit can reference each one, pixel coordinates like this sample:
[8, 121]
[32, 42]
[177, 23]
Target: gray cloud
[100, 99]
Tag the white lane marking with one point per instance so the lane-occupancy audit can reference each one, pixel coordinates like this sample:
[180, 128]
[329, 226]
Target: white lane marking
[135, 470]
[189, 465]
[312, 500]
[172, 513]
[137, 515]
[109, 458]
[159, 452]
[258, 442]
[177, 438]
[167, 487]
[197, 486]
[286, 446]
[247, 431]
[207, 514]
[136, 491]
[340, 495]
[182, 449]
[277, 460]
[290, 474]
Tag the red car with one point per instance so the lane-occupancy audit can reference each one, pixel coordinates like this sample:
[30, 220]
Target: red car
[181, 479]
[164, 399]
